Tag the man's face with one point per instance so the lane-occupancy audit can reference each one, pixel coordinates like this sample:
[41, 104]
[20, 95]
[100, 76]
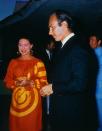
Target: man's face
[55, 30]
[93, 42]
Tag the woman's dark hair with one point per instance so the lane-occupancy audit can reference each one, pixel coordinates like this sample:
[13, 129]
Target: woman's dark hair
[27, 38]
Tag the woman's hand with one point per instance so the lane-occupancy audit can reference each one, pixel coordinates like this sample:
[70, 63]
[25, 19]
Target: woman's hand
[24, 82]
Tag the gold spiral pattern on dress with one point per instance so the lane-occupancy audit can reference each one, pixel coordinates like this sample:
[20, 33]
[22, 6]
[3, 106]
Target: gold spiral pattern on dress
[23, 101]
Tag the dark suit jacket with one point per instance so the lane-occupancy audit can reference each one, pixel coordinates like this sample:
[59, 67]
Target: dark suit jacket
[70, 102]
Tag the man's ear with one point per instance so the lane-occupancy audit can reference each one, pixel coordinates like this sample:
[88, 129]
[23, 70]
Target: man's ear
[99, 42]
[64, 23]
[31, 46]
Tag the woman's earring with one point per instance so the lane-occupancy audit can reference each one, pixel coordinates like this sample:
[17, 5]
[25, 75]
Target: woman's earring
[18, 53]
[31, 52]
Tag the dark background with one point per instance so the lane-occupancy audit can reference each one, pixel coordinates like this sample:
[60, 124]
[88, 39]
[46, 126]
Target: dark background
[32, 20]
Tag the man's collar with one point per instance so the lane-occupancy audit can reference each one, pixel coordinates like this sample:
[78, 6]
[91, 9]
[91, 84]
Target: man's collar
[67, 38]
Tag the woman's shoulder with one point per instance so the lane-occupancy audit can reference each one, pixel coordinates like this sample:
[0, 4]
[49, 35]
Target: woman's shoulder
[13, 60]
[37, 60]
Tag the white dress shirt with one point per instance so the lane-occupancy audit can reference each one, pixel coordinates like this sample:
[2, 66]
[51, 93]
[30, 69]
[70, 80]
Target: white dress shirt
[67, 38]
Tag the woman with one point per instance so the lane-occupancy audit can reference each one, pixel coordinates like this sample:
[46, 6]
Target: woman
[25, 76]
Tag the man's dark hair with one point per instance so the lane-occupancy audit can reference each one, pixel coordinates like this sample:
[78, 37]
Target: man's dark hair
[98, 36]
[64, 16]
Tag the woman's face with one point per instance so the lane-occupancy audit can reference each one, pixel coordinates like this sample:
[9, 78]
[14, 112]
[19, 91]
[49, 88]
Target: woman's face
[24, 46]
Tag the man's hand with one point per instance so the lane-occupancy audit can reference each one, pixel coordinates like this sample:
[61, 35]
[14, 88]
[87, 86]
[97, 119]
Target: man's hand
[46, 90]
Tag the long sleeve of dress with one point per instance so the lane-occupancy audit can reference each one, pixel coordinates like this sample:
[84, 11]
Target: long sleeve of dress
[40, 72]
[9, 78]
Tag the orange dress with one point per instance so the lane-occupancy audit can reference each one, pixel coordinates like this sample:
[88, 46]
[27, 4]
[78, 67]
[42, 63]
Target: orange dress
[26, 107]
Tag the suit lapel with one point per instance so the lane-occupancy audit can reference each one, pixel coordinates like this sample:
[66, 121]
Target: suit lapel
[68, 43]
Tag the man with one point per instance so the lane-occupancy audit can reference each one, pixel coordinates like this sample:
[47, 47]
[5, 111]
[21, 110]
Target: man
[47, 58]
[70, 101]
[95, 43]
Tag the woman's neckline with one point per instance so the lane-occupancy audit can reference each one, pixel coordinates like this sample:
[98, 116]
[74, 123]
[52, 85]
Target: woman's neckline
[26, 59]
